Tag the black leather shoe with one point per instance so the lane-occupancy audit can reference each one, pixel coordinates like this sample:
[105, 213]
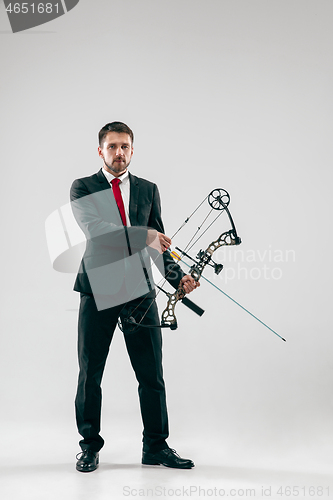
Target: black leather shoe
[87, 461]
[167, 457]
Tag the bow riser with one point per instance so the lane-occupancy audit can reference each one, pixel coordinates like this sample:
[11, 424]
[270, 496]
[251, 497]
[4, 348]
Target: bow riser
[205, 258]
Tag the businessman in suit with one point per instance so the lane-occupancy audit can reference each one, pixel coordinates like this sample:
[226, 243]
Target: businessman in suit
[120, 215]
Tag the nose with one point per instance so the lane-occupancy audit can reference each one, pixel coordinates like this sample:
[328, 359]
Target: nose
[119, 151]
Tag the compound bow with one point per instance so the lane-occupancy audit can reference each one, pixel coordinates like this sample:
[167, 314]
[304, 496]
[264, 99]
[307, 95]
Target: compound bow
[218, 199]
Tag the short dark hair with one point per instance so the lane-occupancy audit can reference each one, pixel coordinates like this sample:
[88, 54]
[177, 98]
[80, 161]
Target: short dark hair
[119, 127]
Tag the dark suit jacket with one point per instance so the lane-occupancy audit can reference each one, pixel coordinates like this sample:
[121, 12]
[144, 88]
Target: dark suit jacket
[97, 214]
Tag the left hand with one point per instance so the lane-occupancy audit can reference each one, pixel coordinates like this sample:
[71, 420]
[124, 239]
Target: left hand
[189, 284]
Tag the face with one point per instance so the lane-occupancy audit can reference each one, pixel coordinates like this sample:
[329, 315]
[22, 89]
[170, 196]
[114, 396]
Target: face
[116, 151]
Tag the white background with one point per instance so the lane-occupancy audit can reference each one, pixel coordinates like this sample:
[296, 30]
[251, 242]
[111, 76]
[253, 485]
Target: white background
[232, 94]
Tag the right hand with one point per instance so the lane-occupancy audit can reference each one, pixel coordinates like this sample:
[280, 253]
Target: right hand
[158, 241]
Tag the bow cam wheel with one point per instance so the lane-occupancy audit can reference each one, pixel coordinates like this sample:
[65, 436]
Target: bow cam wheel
[219, 199]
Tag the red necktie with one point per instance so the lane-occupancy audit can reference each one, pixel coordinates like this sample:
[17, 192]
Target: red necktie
[119, 200]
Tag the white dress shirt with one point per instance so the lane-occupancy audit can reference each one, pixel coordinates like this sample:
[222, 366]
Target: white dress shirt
[124, 189]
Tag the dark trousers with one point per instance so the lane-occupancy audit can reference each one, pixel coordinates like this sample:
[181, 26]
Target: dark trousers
[144, 347]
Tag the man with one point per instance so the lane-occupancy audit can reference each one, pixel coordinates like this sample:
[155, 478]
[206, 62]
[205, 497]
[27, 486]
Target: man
[122, 223]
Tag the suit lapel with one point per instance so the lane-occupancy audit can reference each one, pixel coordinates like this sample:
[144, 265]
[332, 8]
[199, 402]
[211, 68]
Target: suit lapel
[103, 180]
[134, 197]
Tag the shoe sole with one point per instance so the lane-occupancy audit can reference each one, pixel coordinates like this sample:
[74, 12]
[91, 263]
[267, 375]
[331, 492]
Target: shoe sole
[147, 462]
[86, 470]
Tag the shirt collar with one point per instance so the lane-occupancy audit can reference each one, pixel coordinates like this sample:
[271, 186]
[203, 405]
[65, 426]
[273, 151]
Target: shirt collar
[124, 177]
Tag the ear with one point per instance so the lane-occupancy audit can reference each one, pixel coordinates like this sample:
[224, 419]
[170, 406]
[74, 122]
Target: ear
[100, 152]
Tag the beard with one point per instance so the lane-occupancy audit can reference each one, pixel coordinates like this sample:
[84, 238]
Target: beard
[117, 167]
